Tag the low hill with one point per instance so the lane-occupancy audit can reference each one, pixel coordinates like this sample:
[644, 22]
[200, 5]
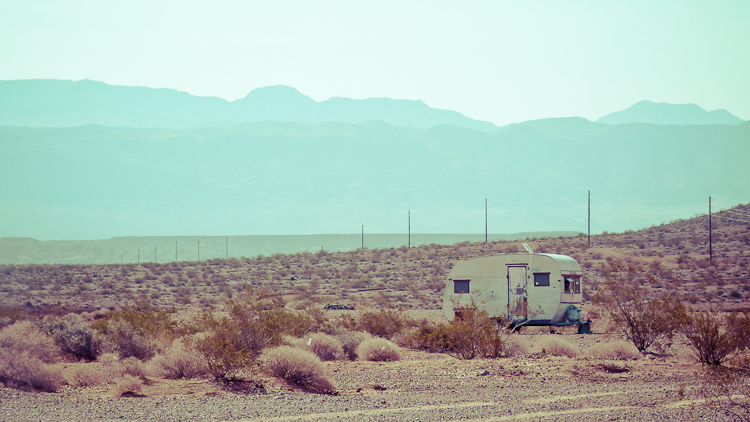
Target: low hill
[670, 114]
[186, 248]
[676, 254]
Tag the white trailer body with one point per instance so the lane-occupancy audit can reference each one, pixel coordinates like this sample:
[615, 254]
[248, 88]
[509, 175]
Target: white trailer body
[527, 288]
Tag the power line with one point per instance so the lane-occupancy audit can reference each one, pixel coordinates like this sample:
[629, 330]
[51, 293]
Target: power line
[686, 199]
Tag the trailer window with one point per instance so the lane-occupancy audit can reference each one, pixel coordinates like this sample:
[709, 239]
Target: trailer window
[460, 286]
[572, 284]
[541, 279]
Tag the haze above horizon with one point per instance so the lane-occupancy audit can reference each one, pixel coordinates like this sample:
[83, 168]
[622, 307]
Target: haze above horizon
[496, 62]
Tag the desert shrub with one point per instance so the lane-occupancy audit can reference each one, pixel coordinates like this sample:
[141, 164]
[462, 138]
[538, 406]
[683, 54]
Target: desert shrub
[350, 340]
[311, 319]
[298, 367]
[129, 385]
[323, 346]
[513, 346]
[75, 338]
[25, 337]
[714, 336]
[383, 323]
[613, 350]
[252, 323]
[180, 363]
[133, 331]
[378, 350]
[425, 336]
[143, 317]
[128, 341]
[556, 346]
[25, 355]
[85, 376]
[222, 352]
[26, 370]
[472, 333]
[645, 322]
[134, 367]
[110, 366]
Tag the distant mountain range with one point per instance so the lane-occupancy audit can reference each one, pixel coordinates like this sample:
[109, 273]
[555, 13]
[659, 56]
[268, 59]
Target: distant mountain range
[57, 103]
[670, 114]
[87, 160]
[62, 103]
[273, 178]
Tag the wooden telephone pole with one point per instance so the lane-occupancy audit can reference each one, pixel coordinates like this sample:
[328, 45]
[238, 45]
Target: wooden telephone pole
[589, 218]
[710, 234]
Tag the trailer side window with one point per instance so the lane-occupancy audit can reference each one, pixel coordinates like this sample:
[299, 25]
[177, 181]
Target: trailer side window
[541, 279]
[460, 286]
[572, 284]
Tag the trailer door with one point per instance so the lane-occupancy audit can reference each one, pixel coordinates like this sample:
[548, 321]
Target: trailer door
[517, 299]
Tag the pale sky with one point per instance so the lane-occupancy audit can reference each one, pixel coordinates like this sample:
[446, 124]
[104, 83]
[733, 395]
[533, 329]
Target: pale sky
[500, 61]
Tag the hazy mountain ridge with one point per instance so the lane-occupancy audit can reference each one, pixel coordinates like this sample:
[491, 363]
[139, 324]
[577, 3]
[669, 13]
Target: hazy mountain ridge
[670, 114]
[95, 182]
[60, 103]
[64, 103]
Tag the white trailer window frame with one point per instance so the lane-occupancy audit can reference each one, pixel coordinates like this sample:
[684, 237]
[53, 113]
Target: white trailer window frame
[572, 283]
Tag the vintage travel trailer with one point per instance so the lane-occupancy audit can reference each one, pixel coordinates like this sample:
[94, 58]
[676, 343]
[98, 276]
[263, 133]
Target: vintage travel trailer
[528, 288]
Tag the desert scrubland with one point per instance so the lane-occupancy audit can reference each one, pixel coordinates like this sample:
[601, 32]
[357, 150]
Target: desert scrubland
[250, 338]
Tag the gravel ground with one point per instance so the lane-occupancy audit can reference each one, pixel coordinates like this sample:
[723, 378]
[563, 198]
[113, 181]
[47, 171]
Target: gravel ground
[421, 387]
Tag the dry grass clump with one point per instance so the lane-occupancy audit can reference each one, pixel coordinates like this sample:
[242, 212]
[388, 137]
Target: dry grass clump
[613, 350]
[378, 350]
[515, 346]
[26, 355]
[24, 336]
[322, 345]
[113, 367]
[556, 346]
[298, 367]
[129, 385]
[180, 363]
[350, 340]
[134, 367]
[24, 371]
[85, 375]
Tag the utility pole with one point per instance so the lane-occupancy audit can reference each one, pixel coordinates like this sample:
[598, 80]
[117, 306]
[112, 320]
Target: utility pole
[485, 220]
[409, 229]
[589, 218]
[710, 234]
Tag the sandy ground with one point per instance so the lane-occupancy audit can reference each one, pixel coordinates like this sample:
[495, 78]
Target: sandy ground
[422, 386]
